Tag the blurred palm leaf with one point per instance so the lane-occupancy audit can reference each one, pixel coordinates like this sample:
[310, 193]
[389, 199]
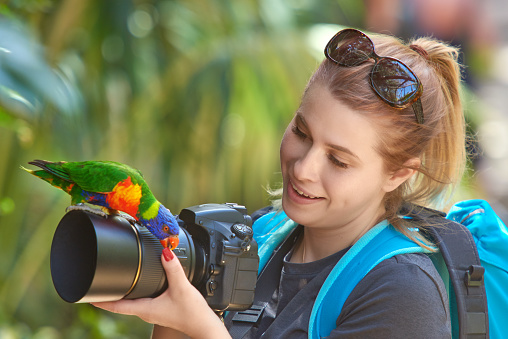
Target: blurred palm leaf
[27, 82]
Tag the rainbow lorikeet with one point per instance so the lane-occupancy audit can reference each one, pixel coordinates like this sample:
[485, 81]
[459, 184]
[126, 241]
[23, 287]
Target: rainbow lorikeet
[115, 187]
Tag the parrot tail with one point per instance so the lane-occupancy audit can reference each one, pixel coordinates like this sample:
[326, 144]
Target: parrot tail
[54, 180]
[28, 170]
[52, 167]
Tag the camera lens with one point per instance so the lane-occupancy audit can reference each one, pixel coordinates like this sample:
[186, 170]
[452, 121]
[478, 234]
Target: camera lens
[103, 259]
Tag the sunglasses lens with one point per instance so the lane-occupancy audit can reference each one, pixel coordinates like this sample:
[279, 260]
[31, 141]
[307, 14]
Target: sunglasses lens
[349, 48]
[394, 82]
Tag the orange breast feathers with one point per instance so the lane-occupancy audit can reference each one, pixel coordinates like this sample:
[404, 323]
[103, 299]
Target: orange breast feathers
[125, 197]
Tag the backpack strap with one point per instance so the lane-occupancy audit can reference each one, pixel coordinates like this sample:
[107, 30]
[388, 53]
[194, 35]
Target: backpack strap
[379, 243]
[458, 249]
[269, 232]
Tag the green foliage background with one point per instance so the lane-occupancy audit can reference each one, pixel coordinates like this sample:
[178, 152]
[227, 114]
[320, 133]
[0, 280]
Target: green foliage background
[194, 93]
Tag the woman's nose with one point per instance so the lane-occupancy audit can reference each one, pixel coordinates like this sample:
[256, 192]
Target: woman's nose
[306, 167]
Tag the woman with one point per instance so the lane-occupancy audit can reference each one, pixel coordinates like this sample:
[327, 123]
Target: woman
[371, 133]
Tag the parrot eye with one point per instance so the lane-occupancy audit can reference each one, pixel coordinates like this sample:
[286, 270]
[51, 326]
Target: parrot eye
[165, 228]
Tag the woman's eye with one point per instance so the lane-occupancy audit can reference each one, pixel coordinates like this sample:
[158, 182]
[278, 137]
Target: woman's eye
[337, 162]
[298, 132]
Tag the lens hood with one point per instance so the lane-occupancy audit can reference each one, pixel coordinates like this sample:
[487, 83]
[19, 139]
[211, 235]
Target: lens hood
[103, 259]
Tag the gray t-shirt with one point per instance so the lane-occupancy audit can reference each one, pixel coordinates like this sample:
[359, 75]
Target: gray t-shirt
[402, 297]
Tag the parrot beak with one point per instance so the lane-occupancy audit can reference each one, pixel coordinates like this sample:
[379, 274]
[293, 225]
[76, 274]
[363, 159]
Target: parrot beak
[171, 242]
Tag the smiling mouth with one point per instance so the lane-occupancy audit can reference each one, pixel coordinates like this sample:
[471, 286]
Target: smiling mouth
[301, 192]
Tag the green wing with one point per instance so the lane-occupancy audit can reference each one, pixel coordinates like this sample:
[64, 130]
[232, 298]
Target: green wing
[95, 176]
[101, 176]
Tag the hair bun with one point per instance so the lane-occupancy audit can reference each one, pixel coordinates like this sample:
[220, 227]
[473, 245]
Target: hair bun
[420, 51]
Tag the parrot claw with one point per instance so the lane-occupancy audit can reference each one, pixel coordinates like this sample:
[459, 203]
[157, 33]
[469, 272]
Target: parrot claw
[86, 208]
[127, 217]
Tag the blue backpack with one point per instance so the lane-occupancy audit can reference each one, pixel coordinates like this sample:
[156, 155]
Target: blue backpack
[490, 236]
[472, 260]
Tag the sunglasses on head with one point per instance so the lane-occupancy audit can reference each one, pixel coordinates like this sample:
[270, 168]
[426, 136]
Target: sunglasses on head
[391, 79]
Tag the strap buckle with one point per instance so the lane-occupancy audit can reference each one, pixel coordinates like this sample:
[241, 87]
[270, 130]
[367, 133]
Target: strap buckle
[251, 315]
[474, 276]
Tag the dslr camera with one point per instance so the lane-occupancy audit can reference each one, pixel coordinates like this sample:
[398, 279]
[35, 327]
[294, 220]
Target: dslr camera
[104, 259]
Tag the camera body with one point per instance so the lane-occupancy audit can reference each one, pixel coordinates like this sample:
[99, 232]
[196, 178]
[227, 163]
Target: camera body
[225, 255]
[104, 259]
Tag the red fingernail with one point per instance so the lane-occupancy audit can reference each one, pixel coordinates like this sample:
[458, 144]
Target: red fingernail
[168, 254]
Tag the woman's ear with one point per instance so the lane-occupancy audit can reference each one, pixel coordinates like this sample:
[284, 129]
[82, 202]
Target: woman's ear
[397, 178]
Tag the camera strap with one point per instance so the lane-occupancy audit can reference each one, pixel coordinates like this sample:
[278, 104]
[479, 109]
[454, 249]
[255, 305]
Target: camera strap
[240, 322]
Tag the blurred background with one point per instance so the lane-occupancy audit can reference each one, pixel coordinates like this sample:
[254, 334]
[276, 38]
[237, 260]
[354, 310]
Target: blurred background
[196, 94]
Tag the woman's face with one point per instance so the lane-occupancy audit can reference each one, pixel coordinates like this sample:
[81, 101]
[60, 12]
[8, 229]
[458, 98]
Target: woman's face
[332, 174]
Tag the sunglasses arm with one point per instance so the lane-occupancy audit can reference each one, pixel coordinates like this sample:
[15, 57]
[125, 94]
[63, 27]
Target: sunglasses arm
[418, 109]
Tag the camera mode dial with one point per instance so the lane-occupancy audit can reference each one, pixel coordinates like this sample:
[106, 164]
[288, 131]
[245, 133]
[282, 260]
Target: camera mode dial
[242, 231]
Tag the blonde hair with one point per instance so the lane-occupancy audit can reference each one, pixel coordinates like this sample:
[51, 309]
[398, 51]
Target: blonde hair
[439, 143]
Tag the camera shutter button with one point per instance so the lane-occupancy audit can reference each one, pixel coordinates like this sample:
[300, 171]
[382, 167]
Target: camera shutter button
[242, 231]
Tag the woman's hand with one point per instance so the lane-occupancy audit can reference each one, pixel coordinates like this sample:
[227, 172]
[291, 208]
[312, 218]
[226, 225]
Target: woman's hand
[180, 307]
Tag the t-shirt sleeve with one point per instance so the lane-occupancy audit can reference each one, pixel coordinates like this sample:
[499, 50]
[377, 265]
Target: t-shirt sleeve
[402, 297]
